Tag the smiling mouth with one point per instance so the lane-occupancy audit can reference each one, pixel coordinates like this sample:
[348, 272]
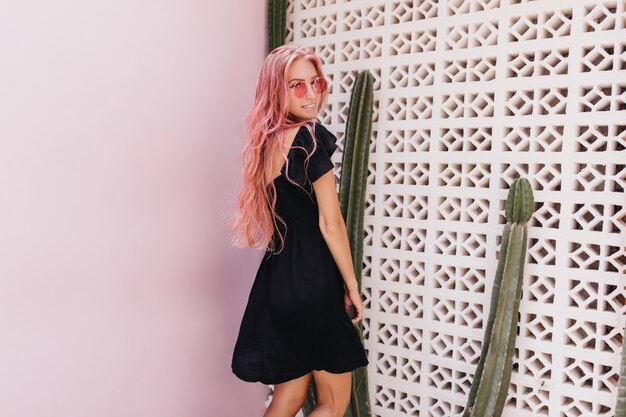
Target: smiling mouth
[310, 106]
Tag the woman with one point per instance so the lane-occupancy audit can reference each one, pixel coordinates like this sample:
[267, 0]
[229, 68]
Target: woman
[296, 324]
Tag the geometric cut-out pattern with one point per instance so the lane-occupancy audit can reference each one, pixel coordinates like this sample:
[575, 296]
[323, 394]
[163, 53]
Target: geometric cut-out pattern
[468, 96]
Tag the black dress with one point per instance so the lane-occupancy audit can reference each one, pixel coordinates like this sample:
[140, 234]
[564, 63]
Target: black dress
[295, 320]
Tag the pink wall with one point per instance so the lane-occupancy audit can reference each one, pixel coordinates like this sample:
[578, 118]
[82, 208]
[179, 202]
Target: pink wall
[120, 127]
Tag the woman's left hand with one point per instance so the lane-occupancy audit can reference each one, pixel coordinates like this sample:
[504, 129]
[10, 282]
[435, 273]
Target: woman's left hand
[351, 297]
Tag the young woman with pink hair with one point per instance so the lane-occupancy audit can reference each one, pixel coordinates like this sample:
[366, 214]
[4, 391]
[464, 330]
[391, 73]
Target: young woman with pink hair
[297, 323]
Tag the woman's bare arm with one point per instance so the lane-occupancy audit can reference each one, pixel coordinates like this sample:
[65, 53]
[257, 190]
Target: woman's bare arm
[333, 227]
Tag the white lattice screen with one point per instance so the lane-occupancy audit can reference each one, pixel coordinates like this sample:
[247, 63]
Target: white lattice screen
[470, 95]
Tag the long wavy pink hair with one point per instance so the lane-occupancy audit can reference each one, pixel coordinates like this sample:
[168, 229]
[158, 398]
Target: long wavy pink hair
[255, 220]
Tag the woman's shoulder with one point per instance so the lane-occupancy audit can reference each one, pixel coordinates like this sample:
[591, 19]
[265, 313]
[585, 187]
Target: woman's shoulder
[303, 130]
[323, 130]
[326, 138]
[323, 136]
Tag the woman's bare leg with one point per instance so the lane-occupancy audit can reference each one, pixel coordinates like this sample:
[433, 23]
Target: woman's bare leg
[288, 397]
[333, 393]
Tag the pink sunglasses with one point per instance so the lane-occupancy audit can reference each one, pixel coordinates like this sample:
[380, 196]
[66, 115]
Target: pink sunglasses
[320, 85]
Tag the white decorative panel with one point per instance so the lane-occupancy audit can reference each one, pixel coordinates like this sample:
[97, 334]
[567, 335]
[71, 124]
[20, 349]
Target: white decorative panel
[469, 95]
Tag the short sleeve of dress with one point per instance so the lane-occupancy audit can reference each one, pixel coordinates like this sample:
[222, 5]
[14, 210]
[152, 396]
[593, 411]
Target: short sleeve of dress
[319, 162]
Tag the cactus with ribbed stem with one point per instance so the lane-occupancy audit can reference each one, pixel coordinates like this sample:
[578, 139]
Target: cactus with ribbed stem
[354, 165]
[276, 23]
[352, 186]
[352, 203]
[620, 407]
[493, 373]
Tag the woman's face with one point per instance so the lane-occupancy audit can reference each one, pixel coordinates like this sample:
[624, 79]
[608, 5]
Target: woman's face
[303, 70]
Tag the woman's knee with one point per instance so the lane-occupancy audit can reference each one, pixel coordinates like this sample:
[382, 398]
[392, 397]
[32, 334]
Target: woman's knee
[340, 408]
[332, 409]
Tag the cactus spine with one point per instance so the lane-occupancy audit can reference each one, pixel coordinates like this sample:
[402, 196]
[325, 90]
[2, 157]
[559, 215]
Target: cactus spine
[276, 23]
[493, 373]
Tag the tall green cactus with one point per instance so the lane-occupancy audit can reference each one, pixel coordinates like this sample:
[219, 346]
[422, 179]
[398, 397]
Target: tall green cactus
[354, 165]
[352, 186]
[620, 407]
[276, 23]
[493, 373]
[352, 204]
